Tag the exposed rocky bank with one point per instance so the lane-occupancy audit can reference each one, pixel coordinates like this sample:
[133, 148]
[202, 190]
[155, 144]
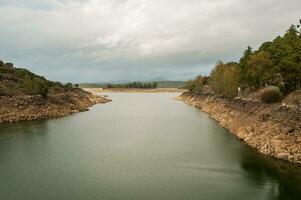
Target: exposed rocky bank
[272, 129]
[57, 103]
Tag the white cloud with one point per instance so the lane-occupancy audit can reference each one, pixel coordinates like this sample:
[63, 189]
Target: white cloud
[144, 34]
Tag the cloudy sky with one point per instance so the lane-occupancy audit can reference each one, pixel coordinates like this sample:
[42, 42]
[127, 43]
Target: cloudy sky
[109, 40]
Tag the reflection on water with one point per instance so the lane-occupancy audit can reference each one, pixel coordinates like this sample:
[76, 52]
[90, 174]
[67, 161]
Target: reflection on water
[140, 146]
[287, 176]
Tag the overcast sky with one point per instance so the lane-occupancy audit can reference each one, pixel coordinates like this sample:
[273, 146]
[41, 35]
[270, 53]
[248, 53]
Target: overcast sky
[109, 40]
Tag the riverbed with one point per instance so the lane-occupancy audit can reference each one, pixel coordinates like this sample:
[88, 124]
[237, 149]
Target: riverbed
[139, 146]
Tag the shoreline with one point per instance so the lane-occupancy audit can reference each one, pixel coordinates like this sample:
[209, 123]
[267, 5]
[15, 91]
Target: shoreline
[35, 107]
[134, 90]
[273, 130]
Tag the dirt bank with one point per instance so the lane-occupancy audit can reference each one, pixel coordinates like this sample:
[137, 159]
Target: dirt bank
[273, 129]
[34, 107]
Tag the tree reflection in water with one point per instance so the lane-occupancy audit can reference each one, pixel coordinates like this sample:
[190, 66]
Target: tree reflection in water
[287, 177]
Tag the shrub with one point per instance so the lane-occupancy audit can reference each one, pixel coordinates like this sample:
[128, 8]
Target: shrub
[190, 85]
[271, 94]
[68, 86]
[36, 86]
[10, 65]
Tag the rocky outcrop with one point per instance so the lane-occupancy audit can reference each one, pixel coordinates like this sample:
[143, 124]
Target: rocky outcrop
[56, 104]
[272, 129]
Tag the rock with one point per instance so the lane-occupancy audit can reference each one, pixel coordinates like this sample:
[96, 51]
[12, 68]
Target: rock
[270, 129]
[298, 139]
[279, 143]
[252, 134]
[232, 113]
[249, 129]
[283, 156]
[25, 107]
[294, 149]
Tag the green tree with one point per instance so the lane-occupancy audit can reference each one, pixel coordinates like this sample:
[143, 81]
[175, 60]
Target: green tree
[68, 86]
[258, 69]
[190, 85]
[224, 78]
[154, 85]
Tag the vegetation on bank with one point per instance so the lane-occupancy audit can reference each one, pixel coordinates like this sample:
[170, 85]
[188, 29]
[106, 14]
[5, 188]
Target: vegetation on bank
[271, 94]
[15, 81]
[160, 84]
[276, 65]
[134, 85]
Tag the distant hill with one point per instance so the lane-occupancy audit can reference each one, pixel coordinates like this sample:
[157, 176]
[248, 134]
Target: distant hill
[171, 84]
[160, 84]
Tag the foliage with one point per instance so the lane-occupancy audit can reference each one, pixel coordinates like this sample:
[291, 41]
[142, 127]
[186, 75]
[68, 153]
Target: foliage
[285, 53]
[190, 85]
[68, 86]
[258, 69]
[277, 62]
[224, 78]
[196, 84]
[20, 80]
[271, 94]
[160, 84]
[134, 85]
[35, 85]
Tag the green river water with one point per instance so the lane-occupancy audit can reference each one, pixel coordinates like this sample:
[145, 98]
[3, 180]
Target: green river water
[140, 146]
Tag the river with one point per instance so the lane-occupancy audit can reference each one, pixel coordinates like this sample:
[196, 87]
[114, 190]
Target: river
[139, 146]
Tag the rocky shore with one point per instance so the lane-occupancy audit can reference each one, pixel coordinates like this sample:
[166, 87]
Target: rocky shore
[34, 107]
[272, 129]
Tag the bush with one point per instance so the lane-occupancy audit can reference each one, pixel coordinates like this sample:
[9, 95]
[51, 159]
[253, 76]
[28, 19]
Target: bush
[271, 94]
[68, 86]
[190, 85]
[36, 86]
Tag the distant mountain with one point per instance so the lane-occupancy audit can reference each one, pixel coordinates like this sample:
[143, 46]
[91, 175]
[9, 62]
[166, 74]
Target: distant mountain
[171, 84]
[115, 82]
[161, 83]
[159, 78]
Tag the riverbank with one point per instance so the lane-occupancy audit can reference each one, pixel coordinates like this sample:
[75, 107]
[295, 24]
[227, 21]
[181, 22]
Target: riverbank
[272, 129]
[136, 90]
[57, 104]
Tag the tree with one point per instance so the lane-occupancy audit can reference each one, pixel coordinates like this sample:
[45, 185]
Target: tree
[10, 65]
[68, 86]
[154, 85]
[243, 64]
[200, 81]
[190, 85]
[224, 78]
[277, 62]
[217, 77]
[258, 69]
[247, 53]
[286, 53]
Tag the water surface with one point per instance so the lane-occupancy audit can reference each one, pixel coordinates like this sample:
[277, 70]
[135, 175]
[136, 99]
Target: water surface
[140, 146]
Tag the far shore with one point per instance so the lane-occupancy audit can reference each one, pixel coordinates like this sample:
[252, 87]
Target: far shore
[135, 90]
